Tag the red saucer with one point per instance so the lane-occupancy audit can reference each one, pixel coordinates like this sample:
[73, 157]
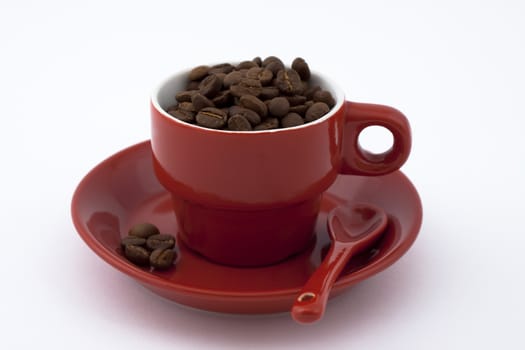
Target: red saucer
[123, 191]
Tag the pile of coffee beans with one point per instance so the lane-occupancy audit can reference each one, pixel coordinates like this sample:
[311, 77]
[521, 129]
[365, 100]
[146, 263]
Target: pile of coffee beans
[146, 246]
[252, 95]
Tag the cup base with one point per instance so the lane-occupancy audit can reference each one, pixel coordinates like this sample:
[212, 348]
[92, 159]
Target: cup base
[246, 238]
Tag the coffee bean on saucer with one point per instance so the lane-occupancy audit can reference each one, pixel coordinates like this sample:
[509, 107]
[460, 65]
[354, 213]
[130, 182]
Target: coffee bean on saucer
[162, 258]
[316, 111]
[160, 241]
[137, 255]
[211, 117]
[133, 240]
[144, 230]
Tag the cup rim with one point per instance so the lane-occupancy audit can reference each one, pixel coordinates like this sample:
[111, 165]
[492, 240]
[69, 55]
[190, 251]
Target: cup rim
[326, 84]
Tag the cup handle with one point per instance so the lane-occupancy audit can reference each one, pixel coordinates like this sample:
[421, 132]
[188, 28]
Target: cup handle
[358, 161]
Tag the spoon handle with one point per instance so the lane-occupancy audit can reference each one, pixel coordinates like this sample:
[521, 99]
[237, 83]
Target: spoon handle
[310, 305]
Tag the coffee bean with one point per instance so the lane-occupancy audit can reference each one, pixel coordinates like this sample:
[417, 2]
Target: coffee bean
[291, 119]
[221, 68]
[181, 114]
[221, 77]
[301, 67]
[133, 240]
[273, 64]
[211, 117]
[198, 73]
[250, 115]
[137, 255]
[257, 60]
[289, 82]
[264, 75]
[187, 106]
[246, 65]
[243, 72]
[184, 96]
[299, 109]
[278, 107]
[296, 100]
[193, 85]
[324, 96]
[267, 124]
[223, 98]
[270, 59]
[275, 67]
[162, 258]
[269, 92]
[200, 101]
[316, 111]
[310, 91]
[210, 85]
[239, 123]
[160, 241]
[233, 110]
[253, 103]
[232, 78]
[246, 86]
[143, 230]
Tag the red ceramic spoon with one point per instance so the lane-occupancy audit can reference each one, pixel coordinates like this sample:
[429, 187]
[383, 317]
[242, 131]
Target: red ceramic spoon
[352, 228]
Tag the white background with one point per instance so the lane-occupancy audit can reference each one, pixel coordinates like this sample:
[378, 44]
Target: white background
[75, 80]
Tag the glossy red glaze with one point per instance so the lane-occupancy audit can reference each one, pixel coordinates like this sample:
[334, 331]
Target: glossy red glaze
[352, 228]
[123, 191]
[251, 198]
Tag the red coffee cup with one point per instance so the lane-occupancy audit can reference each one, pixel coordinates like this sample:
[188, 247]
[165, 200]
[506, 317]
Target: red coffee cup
[251, 198]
